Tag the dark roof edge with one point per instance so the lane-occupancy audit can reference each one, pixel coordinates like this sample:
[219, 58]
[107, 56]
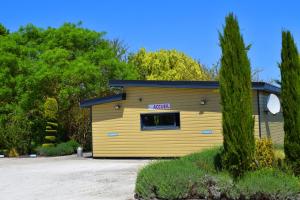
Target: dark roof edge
[263, 86]
[107, 99]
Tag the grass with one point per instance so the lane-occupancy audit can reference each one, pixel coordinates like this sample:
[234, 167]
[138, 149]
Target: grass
[61, 149]
[198, 176]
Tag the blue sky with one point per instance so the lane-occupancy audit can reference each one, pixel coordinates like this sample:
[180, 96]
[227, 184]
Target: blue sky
[190, 26]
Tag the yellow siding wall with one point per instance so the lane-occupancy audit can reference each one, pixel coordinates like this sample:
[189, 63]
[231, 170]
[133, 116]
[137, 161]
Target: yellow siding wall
[132, 142]
[271, 125]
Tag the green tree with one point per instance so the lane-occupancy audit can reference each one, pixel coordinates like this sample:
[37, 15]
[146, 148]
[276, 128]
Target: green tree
[3, 30]
[290, 93]
[68, 63]
[236, 100]
[167, 65]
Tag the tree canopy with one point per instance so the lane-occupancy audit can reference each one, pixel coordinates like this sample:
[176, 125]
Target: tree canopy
[68, 63]
[167, 65]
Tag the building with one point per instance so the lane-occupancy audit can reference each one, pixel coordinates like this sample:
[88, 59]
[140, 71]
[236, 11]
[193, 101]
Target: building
[169, 118]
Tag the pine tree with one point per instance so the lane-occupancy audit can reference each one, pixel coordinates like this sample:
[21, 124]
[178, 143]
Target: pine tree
[236, 100]
[290, 94]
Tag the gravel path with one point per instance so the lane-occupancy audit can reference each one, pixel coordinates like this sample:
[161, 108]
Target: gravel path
[68, 178]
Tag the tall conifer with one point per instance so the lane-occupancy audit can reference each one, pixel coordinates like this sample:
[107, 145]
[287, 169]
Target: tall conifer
[290, 79]
[236, 100]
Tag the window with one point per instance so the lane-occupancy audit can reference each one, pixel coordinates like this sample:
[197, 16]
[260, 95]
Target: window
[160, 121]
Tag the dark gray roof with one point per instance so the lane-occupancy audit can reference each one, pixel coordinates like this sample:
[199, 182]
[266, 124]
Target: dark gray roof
[263, 86]
[101, 100]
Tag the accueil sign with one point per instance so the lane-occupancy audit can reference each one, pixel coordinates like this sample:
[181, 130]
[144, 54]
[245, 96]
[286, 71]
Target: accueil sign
[162, 106]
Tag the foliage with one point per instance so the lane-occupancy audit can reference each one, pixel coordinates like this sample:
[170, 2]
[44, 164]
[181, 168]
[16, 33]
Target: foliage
[179, 178]
[213, 72]
[167, 65]
[3, 30]
[269, 184]
[279, 152]
[236, 100]
[255, 74]
[61, 149]
[73, 144]
[81, 127]
[68, 63]
[15, 136]
[51, 109]
[207, 160]
[4, 152]
[184, 178]
[13, 153]
[264, 153]
[51, 132]
[48, 145]
[50, 114]
[50, 138]
[280, 161]
[167, 180]
[290, 94]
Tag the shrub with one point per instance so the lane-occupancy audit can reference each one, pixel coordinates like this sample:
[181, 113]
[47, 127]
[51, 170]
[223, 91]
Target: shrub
[13, 153]
[264, 153]
[50, 109]
[207, 160]
[216, 186]
[279, 154]
[50, 138]
[15, 136]
[195, 177]
[270, 184]
[50, 114]
[65, 149]
[167, 180]
[4, 152]
[192, 176]
[61, 149]
[48, 145]
[73, 144]
[280, 161]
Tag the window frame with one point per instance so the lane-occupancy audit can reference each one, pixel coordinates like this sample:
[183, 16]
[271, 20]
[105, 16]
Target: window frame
[154, 128]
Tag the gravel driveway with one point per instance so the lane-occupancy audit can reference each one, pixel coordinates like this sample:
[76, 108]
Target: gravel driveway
[68, 178]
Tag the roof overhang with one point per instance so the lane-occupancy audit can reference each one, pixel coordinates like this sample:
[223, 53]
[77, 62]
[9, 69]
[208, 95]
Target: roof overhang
[107, 99]
[262, 86]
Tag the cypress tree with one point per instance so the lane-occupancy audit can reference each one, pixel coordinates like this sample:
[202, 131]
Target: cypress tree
[236, 100]
[290, 94]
